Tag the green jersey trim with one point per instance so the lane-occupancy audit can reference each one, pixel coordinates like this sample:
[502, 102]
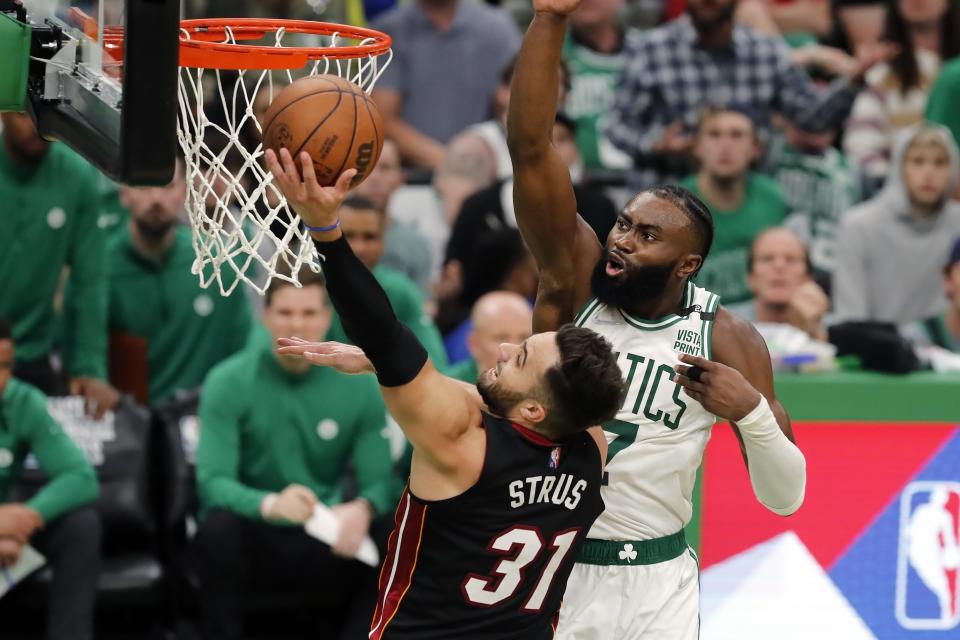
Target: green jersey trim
[585, 313]
[706, 329]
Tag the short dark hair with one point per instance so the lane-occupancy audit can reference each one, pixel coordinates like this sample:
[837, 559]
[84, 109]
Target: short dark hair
[695, 209]
[6, 331]
[360, 203]
[586, 387]
[306, 276]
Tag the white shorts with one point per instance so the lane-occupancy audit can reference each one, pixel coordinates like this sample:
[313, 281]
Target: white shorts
[615, 602]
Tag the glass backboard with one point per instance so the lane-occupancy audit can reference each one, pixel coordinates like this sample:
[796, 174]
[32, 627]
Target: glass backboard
[103, 79]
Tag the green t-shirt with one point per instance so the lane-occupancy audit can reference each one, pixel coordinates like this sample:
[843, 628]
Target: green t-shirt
[725, 269]
[932, 331]
[49, 222]
[263, 428]
[408, 307]
[593, 76]
[27, 427]
[188, 329]
[942, 105]
[465, 371]
[817, 190]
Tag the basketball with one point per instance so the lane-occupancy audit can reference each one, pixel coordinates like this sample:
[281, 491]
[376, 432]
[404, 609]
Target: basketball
[330, 118]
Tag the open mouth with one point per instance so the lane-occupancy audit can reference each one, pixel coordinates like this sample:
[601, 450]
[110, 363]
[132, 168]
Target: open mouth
[615, 265]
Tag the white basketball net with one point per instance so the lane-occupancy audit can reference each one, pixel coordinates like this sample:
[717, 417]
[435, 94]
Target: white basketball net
[243, 230]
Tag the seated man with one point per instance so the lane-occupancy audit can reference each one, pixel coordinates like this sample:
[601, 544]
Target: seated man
[743, 202]
[780, 277]
[942, 330]
[59, 521]
[498, 317]
[364, 224]
[276, 438]
[154, 295]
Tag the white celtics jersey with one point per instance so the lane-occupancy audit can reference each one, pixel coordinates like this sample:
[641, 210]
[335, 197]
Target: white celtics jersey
[658, 437]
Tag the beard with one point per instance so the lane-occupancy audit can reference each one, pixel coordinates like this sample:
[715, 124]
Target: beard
[154, 230]
[499, 401]
[705, 23]
[635, 284]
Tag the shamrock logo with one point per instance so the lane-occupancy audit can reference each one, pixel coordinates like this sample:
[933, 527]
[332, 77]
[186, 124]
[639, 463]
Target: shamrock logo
[628, 553]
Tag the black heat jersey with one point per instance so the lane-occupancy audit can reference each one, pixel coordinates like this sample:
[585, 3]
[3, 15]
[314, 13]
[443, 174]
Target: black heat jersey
[493, 562]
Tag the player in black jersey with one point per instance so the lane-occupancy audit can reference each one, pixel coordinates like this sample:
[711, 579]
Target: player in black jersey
[505, 477]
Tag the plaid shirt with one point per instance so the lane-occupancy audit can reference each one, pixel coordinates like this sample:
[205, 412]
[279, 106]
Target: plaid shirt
[669, 77]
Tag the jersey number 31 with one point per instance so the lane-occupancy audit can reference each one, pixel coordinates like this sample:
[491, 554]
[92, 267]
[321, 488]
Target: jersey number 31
[522, 546]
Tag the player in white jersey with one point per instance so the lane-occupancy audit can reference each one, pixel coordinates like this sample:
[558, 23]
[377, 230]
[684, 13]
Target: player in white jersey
[686, 359]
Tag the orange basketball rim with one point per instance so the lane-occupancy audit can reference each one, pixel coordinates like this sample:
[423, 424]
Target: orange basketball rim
[214, 43]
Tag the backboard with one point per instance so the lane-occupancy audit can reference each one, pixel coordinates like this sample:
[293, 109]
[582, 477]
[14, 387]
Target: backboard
[103, 79]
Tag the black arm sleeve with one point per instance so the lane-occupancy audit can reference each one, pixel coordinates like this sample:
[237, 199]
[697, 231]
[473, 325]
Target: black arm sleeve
[367, 316]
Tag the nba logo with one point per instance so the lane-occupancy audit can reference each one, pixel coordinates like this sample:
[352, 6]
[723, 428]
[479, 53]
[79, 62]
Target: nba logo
[928, 556]
[554, 457]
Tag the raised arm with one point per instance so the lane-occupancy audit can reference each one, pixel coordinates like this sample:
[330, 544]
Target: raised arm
[563, 245]
[433, 410]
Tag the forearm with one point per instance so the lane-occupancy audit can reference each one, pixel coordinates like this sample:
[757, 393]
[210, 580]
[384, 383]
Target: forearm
[366, 314]
[776, 465]
[231, 495]
[817, 111]
[535, 85]
[65, 492]
[415, 147]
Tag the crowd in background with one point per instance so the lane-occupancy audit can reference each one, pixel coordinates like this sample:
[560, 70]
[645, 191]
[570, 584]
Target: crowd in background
[823, 136]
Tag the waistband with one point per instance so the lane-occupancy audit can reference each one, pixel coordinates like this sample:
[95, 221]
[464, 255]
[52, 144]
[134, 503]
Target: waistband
[633, 552]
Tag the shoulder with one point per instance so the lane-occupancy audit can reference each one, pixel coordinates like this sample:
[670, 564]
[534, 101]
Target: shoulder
[765, 185]
[736, 340]
[861, 217]
[79, 169]
[234, 373]
[24, 400]
[950, 74]
[653, 38]
[396, 283]
[760, 43]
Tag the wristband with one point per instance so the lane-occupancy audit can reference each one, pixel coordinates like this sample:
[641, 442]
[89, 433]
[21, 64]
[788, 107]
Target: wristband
[322, 229]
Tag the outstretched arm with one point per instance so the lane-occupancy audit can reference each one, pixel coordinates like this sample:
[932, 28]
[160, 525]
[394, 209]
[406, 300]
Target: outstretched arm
[563, 244]
[738, 386]
[433, 411]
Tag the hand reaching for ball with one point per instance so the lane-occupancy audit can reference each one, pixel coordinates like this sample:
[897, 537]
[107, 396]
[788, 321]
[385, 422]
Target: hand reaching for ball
[317, 206]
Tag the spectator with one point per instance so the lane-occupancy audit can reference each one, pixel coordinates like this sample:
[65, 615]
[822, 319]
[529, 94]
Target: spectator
[943, 101]
[466, 167]
[154, 295]
[277, 437]
[500, 262]
[364, 225]
[704, 58]
[491, 209]
[493, 132]
[594, 52]
[59, 521]
[780, 276]
[448, 55]
[50, 196]
[743, 202]
[406, 248]
[818, 186]
[942, 330]
[892, 247]
[499, 317]
[926, 32]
